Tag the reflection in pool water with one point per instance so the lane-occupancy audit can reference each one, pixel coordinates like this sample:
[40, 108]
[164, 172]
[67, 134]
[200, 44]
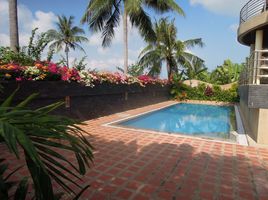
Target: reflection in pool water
[189, 119]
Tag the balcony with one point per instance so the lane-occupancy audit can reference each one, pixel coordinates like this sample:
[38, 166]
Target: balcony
[253, 16]
[253, 82]
[251, 9]
[256, 70]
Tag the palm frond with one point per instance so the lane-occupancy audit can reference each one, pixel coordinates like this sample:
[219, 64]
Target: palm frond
[193, 42]
[164, 6]
[42, 136]
[139, 18]
[112, 22]
[97, 13]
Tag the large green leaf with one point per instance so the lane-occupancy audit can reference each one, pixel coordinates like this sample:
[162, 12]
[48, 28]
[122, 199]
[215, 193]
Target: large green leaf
[42, 137]
[22, 189]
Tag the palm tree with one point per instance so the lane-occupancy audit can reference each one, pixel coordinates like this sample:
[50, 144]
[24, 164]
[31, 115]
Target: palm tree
[166, 48]
[194, 69]
[104, 15]
[13, 25]
[67, 36]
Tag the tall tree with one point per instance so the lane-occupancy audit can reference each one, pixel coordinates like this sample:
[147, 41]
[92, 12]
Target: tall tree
[13, 25]
[166, 48]
[67, 36]
[104, 16]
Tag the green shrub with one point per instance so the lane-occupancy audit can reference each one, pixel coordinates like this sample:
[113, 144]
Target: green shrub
[27, 55]
[9, 56]
[205, 93]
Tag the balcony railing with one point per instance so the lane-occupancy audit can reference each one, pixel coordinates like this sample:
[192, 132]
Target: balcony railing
[251, 9]
[256, 70]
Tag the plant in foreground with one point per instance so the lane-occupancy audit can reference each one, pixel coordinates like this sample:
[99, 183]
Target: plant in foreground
[41, 137]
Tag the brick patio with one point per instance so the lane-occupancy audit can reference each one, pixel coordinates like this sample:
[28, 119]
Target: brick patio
[134, 165]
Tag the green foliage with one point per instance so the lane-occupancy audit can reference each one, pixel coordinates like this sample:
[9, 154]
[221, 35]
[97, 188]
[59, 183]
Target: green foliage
[176, 91]
[194, 69]
[37, 44]
[41, 136]
[26, 55]
[50, 54]
[80, 64]
[206, 93]
[229, 72]
[6, 184]
[204, 76]
[9, 56]
[133, 70]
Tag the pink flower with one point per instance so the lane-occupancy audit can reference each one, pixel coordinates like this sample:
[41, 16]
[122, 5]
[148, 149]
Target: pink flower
[53, 68]
[68, 74]
[146, 79]
[19, 79]
[75, 75]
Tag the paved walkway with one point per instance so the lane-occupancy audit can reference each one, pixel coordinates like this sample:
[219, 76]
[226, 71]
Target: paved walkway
[138, 166]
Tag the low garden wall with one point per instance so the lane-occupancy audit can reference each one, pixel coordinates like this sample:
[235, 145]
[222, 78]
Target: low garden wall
[195, 83]
[85, 102]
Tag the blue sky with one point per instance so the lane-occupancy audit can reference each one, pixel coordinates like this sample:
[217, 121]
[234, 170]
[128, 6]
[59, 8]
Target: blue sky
[215, 21]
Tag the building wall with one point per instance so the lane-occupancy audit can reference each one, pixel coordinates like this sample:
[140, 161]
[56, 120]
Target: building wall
[86, 102]
[250, 115]
[263, 126]
[255, 119]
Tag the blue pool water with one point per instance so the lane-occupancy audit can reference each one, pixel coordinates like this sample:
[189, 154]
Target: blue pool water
[188, 119]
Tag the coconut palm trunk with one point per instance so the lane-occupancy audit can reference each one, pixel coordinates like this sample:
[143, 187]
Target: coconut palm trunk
[125, 42]
[168, 70]
[67, 55]
[13, 25]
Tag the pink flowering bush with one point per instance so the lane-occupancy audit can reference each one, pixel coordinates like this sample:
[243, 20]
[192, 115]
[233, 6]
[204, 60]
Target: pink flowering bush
[39, 71]
[53, 72]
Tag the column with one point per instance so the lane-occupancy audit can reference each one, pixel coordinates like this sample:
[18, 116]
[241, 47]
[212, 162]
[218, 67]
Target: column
[250, 65]
[258, 46]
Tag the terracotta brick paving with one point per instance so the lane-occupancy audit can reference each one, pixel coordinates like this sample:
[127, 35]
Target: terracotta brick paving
[137, 166]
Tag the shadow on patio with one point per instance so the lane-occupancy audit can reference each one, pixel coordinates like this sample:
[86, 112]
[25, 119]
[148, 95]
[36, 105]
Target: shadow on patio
[182, 169]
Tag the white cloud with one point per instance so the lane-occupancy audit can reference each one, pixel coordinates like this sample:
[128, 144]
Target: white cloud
[4, 39]
[27, 21]
[44, 21]
[107, 64]
[103, 51]
[225, 7]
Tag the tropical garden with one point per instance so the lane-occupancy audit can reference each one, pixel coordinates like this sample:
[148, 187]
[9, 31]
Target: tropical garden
[38, 136]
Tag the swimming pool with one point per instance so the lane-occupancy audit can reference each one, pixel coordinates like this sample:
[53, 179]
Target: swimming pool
[188, 119]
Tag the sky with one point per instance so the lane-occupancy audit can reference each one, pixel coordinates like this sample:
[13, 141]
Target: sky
[215, 21]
